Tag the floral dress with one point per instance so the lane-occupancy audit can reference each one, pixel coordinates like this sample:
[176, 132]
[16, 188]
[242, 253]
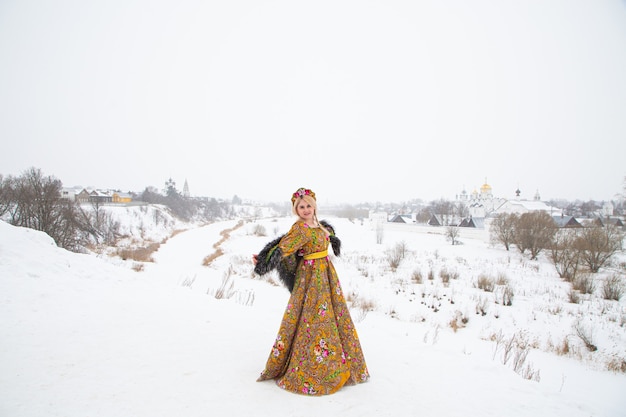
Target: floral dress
[317, 349]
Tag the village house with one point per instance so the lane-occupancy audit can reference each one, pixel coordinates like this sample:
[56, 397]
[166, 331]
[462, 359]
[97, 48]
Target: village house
[102, 196]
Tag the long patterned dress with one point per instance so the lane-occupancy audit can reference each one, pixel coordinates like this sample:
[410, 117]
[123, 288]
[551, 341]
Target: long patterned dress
[317, 349]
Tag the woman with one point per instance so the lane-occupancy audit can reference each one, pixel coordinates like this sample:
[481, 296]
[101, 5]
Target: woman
[317, 349]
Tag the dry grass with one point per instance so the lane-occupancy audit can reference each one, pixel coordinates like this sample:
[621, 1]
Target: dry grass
[563, 348]
[140, 254]
[138, 267]
[459, 321]
[360, 306]
[417, 277]
[485, 283]
[210, 258]
[446, 275]
[218, 251]
[616, 364]
[227, 289]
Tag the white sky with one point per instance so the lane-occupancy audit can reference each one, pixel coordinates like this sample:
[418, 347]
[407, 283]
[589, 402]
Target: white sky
[358, 100]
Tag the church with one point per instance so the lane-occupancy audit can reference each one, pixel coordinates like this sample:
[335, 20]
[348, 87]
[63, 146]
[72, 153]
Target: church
[482, 204]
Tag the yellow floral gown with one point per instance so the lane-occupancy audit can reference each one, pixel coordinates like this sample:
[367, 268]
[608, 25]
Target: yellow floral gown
[317, 349]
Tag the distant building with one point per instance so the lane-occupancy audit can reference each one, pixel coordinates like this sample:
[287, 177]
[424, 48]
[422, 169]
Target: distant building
[378, 216]
[119, 197]
[480, 203]
[566, 222]
[402, 218]
[525, 206]
[70, 193]
[476, 222]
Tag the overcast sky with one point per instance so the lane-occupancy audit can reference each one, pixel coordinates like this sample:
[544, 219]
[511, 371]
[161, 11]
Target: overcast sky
[359, 100]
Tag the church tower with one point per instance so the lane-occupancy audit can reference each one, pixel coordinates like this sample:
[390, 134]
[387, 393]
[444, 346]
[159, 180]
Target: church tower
[186, 189]
[485, 191]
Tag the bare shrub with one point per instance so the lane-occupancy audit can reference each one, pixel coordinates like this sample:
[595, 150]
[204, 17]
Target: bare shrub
[508, 349]
[520, 355]
[586, 335]
[402, 248]
[361, 306]
[444, 275]
[516, 349]
[259, 230]
[485, 283]
[563, 348]
[417, 277]
[530, 373]
[395, 255]
[431, 275]
[504, 295]
[574, 296]
[584, 283]
[613, 288]
[481, 306]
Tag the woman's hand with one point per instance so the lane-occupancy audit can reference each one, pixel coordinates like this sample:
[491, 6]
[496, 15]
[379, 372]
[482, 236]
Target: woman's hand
[255, 259]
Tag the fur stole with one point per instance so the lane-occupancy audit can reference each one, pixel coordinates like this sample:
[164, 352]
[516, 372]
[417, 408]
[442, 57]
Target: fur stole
[271, 257]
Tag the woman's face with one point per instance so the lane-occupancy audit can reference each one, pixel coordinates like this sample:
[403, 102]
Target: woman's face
[305, 211]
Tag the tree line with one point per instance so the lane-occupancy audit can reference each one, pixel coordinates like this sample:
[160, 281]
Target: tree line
[571, 250]
[34, 200]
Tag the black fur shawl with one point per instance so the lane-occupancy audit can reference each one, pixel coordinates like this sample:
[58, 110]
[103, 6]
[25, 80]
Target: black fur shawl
[271, 257]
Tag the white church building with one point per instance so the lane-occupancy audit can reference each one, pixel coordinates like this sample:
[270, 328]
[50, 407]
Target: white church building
[482, 203]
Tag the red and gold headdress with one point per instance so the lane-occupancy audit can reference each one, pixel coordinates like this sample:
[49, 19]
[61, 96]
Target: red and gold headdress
[301, 192]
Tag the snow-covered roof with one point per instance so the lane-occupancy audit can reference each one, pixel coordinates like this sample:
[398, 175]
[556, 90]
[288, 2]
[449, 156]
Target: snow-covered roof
[524, 206]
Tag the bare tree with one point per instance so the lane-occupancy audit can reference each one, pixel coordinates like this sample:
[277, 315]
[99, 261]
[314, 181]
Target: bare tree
[6, 194]
[598, 244]
[36, 203]
[564, 254]
[452, 234]
[380, 232]
[534, 231]
[445, 210]
[502, 229]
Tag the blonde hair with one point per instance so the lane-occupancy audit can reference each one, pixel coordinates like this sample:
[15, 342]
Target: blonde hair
[309, 200]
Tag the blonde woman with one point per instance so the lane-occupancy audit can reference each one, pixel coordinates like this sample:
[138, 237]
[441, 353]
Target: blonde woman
[317, 349]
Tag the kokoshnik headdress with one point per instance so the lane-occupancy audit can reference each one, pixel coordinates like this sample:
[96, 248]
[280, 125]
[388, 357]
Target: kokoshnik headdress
[301, 192]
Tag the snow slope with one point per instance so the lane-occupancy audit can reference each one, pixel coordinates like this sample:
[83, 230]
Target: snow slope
[82, 336]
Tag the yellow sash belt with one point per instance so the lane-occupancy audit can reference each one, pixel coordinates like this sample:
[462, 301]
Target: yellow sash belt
[316, 255]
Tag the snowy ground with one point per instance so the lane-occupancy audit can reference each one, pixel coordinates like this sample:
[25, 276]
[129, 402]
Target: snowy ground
[84, 336]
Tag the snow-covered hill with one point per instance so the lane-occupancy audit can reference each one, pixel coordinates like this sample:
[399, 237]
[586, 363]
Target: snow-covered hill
[81, 335]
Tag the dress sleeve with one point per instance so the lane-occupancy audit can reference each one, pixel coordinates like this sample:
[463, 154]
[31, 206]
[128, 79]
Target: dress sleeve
[293, 240]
